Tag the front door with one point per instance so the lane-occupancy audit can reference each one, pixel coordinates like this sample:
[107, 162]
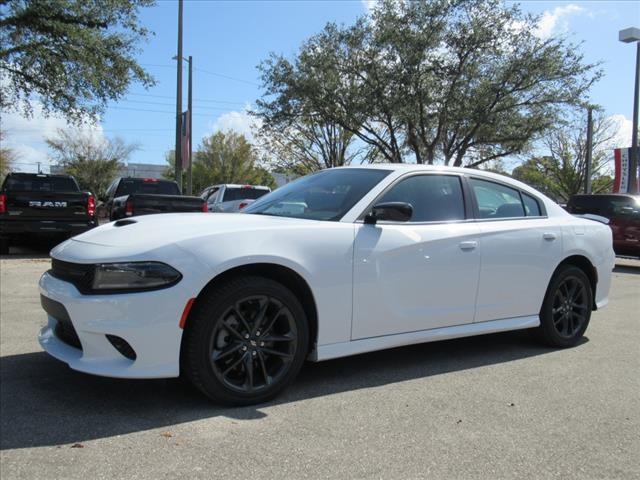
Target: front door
[421, 274]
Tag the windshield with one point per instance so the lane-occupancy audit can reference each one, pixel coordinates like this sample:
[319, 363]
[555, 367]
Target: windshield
[326, 195]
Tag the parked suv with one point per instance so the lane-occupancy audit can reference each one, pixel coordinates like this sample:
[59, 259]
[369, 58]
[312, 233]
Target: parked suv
[623, 212]
[41, 204]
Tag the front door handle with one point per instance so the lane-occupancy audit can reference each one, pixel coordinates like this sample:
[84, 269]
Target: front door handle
[549, 236]
[469, 245]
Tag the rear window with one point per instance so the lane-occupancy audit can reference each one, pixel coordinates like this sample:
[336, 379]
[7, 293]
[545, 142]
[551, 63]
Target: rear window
[149, 187]
[40, 183]
[243, 193]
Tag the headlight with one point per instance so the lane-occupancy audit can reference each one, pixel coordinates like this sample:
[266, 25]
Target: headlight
[134, 276]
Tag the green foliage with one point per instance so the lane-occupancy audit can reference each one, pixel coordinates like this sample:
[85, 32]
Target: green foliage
[74, 55]
[560, 173]
[460, 82]
[94, 162]
[7, 158]
[306, 146]
[223, 157]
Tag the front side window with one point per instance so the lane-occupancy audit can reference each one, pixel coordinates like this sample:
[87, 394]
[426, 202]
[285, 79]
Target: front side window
[326, 195]
[434, 198]
[495, 200]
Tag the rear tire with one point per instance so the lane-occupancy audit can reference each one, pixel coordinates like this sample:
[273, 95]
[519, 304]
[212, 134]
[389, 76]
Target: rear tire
[566, 310]
[245, 341]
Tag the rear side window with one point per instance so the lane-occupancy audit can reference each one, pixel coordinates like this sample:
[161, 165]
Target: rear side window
[496, 201]
[243, 193]
[531, 206]
[434, 198]
[40, 183]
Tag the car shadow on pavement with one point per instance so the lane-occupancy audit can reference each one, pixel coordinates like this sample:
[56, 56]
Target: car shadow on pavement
[45, 403]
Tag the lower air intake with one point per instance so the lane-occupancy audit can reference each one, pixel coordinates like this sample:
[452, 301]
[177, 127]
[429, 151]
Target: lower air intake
[122, 346]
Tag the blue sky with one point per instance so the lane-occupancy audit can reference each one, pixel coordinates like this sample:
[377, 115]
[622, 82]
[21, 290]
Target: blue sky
[227, 39]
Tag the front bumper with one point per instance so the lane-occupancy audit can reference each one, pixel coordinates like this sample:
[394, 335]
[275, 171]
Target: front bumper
[147, 321]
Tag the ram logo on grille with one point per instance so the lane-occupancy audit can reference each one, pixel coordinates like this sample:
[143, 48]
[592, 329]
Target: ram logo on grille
[47, 204]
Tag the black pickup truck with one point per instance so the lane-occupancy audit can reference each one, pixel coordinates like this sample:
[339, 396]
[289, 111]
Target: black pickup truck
[129, 196]
[40, 204]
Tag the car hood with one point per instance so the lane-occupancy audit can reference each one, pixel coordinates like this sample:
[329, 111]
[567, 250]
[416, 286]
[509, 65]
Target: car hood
[153, 231]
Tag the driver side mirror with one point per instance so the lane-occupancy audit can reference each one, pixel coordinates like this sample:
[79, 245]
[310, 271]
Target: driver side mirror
[389, 211]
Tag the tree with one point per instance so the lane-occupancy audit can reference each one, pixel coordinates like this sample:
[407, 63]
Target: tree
[7, 158]
[224, 157]
[94, 161]
[306, 146]
[460, 82]
[73, 55]
[560, 172]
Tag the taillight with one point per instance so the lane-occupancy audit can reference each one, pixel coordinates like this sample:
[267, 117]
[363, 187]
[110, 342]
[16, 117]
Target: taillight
[128, 211]
[91, 206]
[205, 207]
[242, 205]
[3, 204]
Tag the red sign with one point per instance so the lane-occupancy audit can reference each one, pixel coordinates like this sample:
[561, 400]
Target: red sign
[623, 173]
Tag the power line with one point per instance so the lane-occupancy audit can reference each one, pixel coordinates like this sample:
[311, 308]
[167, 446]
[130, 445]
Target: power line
[227, 77]
[221, 75]
[170, 105]
[196, 99]
[157, 111]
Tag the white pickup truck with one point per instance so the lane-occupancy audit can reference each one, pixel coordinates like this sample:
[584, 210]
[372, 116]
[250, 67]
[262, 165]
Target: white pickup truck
[227, 198]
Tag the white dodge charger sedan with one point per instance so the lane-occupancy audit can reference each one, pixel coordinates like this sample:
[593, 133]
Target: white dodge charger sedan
[341, 262]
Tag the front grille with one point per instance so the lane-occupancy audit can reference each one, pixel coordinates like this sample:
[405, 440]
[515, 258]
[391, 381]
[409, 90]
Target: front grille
[64, 329]
[79, 274]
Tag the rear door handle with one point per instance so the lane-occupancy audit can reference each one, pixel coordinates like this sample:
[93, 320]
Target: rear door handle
[549, 236]
[469, 245]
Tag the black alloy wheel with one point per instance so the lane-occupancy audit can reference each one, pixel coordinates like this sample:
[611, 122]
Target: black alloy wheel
[566, 310]
[253, 343]
[245, 341]
[570, 307]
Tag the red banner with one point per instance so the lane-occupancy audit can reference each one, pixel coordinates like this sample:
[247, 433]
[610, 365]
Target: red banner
[622, 158]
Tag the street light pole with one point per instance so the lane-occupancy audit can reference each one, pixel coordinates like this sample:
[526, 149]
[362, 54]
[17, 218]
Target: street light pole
[177, 155]
[630, 35]
[633, 184]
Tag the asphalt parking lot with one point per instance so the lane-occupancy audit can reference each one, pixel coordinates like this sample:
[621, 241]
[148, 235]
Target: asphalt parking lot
[498, 406]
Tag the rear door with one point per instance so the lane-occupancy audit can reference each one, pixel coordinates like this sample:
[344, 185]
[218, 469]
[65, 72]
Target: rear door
[421, 274]
[520, 250]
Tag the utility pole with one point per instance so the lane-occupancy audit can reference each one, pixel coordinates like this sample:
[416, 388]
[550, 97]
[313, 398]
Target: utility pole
[39, 170]
[190, 106]
[178, 150]
[588, 155]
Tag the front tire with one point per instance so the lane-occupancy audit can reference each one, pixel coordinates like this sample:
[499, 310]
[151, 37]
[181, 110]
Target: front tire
[566, 310]
[245, 341]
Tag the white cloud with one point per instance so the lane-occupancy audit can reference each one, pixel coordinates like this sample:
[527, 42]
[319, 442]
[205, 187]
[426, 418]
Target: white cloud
[555, 21]
[369, 5]
[26, 136]
[624, 126]
[239, 121]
